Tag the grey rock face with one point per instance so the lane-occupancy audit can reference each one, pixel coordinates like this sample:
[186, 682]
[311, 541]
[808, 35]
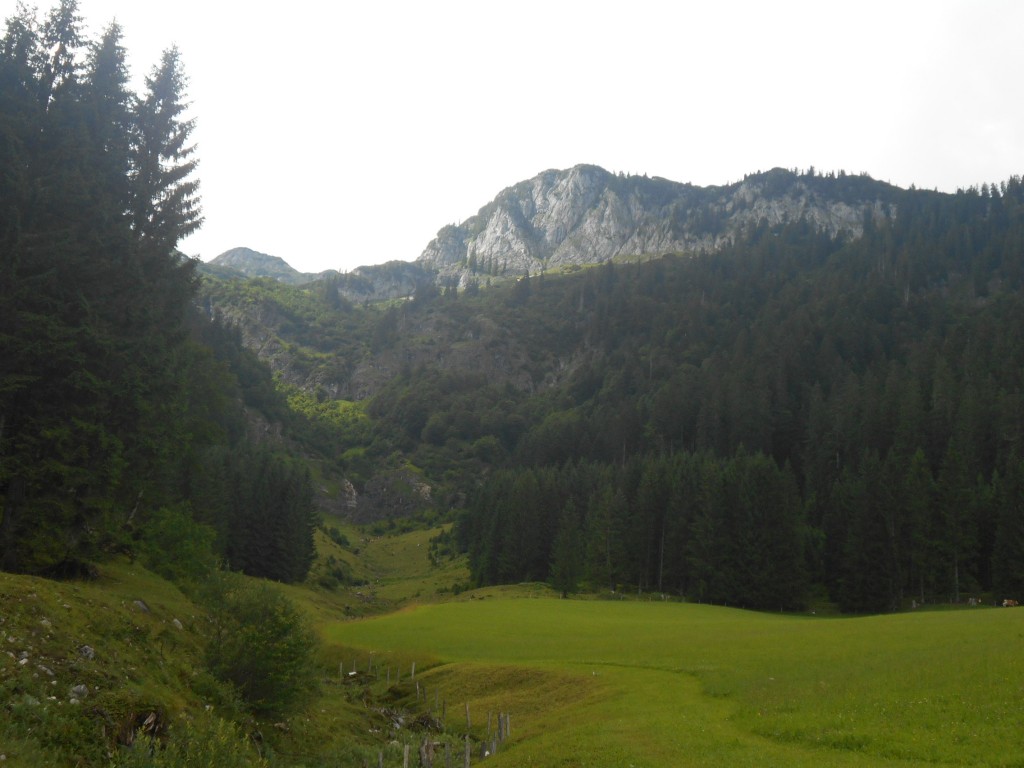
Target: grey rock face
[586, 215]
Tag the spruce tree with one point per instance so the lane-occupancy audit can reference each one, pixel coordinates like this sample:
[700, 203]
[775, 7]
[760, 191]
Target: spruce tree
[92, 310]
[165, 203]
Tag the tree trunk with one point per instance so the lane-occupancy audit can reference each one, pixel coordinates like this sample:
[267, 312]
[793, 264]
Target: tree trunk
[13, 499]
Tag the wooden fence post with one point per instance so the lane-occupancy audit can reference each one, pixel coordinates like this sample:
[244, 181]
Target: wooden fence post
[405, 757]
[467, 751]
[425, 758]
[413, 675]
[468, 723]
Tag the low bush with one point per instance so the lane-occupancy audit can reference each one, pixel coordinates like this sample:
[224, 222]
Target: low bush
[199, 742]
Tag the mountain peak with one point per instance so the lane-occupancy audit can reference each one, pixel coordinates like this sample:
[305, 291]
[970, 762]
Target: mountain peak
[249, 263]
[587, 215]
[252, 263]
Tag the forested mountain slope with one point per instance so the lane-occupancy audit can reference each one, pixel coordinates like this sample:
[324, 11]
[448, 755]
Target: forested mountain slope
[801, 407]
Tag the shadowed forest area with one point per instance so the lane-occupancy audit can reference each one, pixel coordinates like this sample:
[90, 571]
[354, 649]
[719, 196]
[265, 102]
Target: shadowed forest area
[792, 413]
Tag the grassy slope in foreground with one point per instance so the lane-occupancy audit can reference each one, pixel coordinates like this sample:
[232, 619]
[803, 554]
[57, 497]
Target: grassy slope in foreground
[649, 684]
[138, 662]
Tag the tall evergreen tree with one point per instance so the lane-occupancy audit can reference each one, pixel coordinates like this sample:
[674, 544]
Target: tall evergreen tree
[92, 311]
[1008, 553]
[566, 552]
[165, 203]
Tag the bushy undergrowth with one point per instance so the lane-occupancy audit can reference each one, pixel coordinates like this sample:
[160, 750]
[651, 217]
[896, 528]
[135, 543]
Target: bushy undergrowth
[127, 669]
[202, 742]
[178, 548]
[260, 644]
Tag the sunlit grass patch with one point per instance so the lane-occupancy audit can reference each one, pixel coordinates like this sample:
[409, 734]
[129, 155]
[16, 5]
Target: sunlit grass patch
[675, 684]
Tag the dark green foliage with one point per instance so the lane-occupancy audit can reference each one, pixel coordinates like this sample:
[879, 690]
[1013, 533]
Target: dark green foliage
[1008, 550]
[260, 645]
[727, 531]
[337, 536]
[879, 376]
[164, 207]
[260, 502]
[178, 548]
[114, 390]
[92, 308]
[567, 552]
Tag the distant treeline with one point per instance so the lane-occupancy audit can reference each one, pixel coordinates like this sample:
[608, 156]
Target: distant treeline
[795, 412]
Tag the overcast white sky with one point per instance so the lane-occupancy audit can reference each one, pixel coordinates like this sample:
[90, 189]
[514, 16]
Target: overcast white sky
[336, 134]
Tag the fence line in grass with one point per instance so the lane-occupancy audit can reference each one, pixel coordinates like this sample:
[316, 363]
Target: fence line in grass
[498, 729]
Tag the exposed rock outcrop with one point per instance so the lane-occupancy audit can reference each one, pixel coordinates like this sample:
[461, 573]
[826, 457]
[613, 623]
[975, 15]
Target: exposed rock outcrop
[586, 215]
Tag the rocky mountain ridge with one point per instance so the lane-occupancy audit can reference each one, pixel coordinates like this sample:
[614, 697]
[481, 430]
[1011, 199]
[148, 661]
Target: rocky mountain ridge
[376, 282]
[586, 215]
[559, 219]
[246, 262]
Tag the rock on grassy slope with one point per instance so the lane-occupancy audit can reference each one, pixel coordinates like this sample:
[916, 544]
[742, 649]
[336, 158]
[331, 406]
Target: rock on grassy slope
[84, 665]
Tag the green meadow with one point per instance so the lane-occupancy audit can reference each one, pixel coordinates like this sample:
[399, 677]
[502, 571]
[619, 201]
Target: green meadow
[586, 682]
[608, 683]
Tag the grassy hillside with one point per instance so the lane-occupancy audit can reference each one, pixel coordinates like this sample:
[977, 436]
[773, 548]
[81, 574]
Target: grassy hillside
[653, 684]
[586, 682]
[136, 645]
[84, 663]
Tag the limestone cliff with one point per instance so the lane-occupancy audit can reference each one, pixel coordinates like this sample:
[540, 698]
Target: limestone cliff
[586, 215]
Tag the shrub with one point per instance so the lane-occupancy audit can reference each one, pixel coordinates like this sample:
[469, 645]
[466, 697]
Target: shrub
[261, 646]
[178, 548]
[199, 743]
[328, 581]
[337, 537]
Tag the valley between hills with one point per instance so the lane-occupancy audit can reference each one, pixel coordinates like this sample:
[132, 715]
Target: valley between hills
[621, 471]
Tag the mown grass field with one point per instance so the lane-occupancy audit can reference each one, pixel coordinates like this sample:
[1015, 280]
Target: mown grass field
[602, 683]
